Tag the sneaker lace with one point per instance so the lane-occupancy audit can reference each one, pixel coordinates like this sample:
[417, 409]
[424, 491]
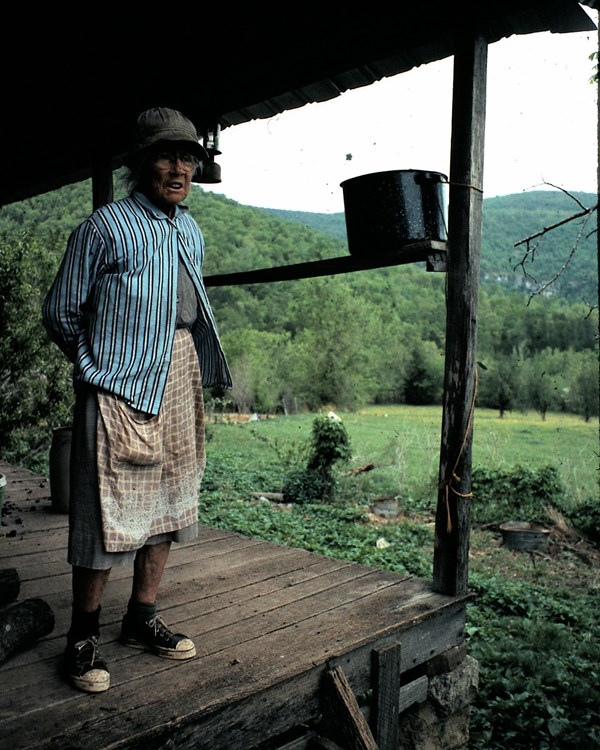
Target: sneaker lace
[159, 627]
[88, 643]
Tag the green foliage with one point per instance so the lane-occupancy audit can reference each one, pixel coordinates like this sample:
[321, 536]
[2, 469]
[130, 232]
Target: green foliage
[594, 77]
[511, 218]
[34, 376]
[538, 645]
[375, 337]
[332, 224]
[304, 486]
[538, 655]
[585, 517]
[329, 444]
[518, 494]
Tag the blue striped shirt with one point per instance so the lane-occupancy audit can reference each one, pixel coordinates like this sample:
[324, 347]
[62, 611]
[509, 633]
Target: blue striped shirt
[113, 304]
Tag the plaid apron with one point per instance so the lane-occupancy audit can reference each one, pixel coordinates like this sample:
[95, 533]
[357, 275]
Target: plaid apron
[150, 467]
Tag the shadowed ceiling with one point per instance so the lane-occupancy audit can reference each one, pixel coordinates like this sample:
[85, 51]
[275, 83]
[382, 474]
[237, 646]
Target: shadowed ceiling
[72, 91]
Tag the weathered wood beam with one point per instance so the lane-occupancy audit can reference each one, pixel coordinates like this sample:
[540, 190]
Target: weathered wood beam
[387, 669]
[342, 717]
[432, 252]
[450, 575]
[22, 624]
[322, 743]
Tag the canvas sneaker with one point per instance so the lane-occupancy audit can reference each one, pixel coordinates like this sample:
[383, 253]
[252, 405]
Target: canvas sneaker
[85, 668]
[154, 636]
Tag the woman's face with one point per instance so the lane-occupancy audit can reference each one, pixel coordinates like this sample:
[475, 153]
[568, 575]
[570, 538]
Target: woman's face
[168, 176]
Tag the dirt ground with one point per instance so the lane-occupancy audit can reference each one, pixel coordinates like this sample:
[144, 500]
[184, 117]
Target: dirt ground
[569, 560]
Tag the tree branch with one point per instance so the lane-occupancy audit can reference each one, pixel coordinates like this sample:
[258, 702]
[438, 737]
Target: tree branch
[529, 254]
[584, 212]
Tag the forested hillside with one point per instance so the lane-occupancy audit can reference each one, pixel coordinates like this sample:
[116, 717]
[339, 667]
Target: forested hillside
[366, 337]
[506, 221]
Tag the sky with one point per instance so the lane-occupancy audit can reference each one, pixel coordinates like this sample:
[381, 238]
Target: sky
[541, 127]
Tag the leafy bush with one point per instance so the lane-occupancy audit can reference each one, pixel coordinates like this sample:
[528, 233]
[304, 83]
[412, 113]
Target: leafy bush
[586, 518]
[35, 378]
[329, 444]
[304, 486]
[518, 494]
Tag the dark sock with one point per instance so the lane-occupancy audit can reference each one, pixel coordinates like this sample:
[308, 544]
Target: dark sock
[140, 612]
[83, 625]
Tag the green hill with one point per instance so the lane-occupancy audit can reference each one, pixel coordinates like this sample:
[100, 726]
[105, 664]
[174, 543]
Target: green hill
[248, 238]
[506, 221]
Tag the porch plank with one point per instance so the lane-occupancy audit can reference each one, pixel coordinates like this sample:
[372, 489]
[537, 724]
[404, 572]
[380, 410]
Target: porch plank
[268, 622]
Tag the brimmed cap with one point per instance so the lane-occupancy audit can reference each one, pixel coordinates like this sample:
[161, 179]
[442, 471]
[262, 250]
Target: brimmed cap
[162, 124]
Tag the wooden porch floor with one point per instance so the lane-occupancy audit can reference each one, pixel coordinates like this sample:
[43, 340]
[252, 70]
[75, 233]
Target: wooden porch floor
[268, 621]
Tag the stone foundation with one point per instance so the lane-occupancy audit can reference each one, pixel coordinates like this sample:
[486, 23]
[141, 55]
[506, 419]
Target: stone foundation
[441, 722]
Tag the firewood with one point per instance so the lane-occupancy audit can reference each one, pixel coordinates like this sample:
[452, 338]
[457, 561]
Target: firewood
[21, 624]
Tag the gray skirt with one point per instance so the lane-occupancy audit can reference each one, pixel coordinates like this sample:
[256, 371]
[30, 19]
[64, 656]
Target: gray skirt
[87, 535]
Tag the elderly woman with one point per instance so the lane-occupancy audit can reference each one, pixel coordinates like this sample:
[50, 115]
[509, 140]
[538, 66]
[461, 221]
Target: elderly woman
[129, 309]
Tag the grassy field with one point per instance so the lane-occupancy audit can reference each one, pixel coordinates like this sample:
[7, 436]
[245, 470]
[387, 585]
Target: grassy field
[403, 444]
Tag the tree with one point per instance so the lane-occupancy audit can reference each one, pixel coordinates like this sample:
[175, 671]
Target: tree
[35, 377]
[497, 384]
[328, 356]
[424, 374]
[545, 383]
[257, 362]
[585, 386]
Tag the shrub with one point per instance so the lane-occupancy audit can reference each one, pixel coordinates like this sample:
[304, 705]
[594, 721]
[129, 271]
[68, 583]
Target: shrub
[304, 486]
[586, 519]
[518, 494]
[329, 444]
[35, 377]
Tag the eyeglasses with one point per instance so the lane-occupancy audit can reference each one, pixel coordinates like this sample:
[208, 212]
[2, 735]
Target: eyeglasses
[166, 159]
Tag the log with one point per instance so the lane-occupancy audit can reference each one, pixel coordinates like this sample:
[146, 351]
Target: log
[22, 624]
[10, 585]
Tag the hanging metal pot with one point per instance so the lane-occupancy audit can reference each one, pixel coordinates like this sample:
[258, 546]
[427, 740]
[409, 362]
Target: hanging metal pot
[386, 211]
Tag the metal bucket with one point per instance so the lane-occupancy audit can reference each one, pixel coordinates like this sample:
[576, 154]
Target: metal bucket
[387, 210]
[524, 536]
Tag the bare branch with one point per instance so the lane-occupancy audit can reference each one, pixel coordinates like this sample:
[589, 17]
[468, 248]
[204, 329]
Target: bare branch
[564, 266]
[584, 212]
[566, 192]
[529, 255]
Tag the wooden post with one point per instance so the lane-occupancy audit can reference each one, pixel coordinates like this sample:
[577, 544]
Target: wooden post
[450, 572]
[387, 671]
